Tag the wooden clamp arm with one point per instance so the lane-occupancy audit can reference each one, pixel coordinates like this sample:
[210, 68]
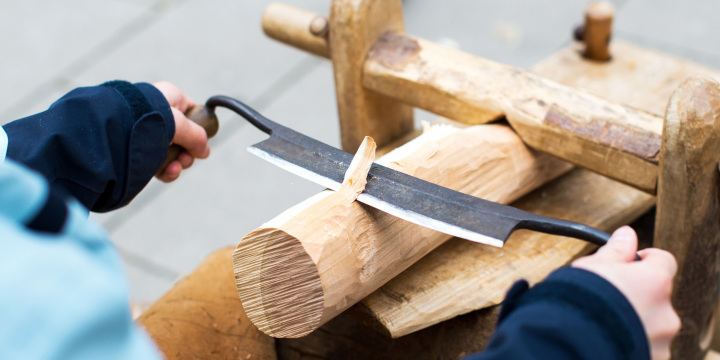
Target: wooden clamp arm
[614, 140]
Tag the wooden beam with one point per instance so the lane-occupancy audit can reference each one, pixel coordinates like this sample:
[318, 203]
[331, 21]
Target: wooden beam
[688, 215]
[611, 139]
[202, 317]
[307, 265]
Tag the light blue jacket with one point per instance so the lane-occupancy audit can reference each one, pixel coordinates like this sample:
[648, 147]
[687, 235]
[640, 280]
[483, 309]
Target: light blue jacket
[64, 295]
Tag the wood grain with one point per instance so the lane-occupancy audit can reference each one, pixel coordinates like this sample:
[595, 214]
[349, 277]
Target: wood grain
[307, 265]
[688, 215]
[202, 317]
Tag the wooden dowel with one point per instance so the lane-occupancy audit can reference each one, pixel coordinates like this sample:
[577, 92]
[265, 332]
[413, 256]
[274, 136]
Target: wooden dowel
[597, 30]
[297, 27]
[315, 260]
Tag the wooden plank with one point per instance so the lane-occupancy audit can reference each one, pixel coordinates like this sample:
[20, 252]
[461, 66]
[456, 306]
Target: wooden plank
[291, 281]
[688, 215]
[449, 277]
[354, 26]
[636, 76]
[202, 317]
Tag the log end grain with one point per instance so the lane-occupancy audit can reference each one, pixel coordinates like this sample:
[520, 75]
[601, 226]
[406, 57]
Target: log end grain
[278, 283]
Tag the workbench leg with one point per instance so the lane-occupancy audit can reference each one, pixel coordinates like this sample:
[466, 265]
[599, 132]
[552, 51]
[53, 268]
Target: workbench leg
[355, 25]
[688, 210]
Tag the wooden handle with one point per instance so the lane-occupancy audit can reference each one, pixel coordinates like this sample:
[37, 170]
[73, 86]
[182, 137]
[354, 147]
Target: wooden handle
[202, 116]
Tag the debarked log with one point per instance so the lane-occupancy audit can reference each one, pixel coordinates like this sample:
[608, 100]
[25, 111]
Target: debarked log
[320, 257]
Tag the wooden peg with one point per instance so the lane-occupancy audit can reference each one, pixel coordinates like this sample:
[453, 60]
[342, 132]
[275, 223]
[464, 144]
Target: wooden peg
[688, 209]
[597, 30]
[355, 25]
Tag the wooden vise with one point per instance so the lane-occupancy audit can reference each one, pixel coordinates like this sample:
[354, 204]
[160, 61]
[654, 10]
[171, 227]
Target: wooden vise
[445, 304]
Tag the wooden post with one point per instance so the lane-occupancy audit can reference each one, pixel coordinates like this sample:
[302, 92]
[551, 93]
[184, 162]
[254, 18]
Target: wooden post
[355, 25]
[688, 209]
[597, 30]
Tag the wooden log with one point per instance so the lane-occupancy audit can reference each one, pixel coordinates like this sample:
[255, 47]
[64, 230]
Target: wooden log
[304, 267]
[688, 215]
[354, 26]
[422, 292]
[201, 317]
[597, 30]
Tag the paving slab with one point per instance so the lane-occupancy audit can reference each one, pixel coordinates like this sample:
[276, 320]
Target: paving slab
[684, 28]
[43, 37]
[514, 32]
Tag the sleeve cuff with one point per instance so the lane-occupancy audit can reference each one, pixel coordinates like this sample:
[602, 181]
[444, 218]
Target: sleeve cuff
[592, 296]
[159, 103]
[3, 144]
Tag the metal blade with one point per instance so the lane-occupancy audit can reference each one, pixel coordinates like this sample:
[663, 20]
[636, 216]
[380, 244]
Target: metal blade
[399, 194]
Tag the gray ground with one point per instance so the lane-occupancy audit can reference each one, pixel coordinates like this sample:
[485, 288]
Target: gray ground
[210, 47]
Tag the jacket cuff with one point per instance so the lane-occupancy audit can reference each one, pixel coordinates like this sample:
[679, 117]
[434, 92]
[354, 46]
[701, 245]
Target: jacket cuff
[592, 296]
[159, 103]
[3, 144]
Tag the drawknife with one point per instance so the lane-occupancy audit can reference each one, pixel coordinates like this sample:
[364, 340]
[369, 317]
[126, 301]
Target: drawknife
[399, 194]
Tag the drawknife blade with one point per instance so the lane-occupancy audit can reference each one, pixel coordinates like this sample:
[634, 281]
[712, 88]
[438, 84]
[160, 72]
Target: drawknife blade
[399, 194]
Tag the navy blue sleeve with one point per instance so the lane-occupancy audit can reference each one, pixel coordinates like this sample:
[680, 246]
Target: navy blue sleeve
[101, 144]
[573, 314]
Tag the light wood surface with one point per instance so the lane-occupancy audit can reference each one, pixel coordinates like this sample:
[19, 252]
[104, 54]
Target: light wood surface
[354, 27]
[688, 215]
[201, 317]
[304, 267]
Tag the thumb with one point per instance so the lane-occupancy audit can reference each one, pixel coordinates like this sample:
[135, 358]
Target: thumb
[191, 136]
[621, 247]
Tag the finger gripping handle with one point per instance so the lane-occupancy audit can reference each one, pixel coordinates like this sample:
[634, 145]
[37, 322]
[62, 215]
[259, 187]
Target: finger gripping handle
[201, 115]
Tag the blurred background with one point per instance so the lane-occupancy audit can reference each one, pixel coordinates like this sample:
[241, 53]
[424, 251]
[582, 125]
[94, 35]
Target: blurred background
[210, 47]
